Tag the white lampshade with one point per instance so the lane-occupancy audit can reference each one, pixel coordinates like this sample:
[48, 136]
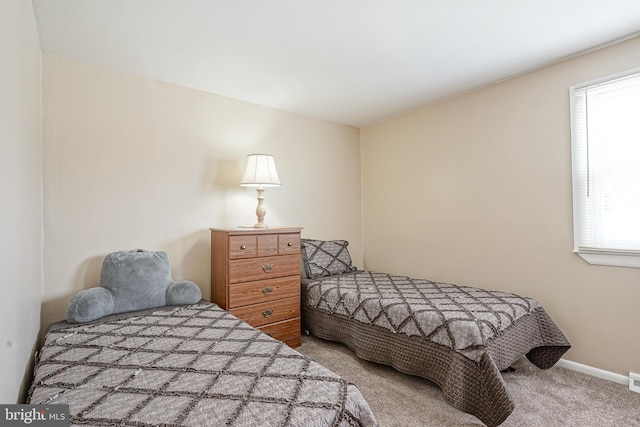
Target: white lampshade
[261, 172]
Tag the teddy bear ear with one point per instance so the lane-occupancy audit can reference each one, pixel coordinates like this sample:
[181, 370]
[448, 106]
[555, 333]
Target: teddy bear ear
[89, 304]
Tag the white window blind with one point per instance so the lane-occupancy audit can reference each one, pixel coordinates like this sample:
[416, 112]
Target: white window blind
[606, 165]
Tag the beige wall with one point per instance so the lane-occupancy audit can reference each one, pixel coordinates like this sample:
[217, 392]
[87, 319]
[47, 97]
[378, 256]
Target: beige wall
[136, 163]
[21, 195]
[477, 190]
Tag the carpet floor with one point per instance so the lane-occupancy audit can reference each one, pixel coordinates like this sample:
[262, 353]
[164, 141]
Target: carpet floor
[555, 397]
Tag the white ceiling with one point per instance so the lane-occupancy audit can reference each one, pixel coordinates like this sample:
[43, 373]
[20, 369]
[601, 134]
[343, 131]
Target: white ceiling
[347, 61]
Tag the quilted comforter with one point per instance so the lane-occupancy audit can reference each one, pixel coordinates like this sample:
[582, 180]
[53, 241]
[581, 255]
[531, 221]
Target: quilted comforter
[193, 365]
[457, 336]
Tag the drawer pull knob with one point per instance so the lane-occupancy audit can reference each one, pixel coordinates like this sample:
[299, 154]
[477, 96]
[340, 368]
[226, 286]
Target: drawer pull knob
[267, 313]
[267, 290]
[290, 244]
[267, 267]
[243, 247]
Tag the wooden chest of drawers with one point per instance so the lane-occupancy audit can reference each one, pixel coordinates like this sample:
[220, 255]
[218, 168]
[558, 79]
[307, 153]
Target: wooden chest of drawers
[255, 274]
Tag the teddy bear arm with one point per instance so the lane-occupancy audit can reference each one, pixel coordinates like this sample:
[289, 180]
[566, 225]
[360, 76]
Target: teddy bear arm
[183, 292]
[89, 304]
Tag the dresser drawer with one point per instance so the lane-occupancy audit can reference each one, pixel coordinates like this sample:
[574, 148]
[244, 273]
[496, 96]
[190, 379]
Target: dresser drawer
[263, 291]
[289, 244]
[269, 312]
[243, 247]
[283, 331]
[268, 245]
[247, 270]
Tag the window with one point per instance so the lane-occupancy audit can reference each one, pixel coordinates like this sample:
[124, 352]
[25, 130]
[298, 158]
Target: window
[605, 140]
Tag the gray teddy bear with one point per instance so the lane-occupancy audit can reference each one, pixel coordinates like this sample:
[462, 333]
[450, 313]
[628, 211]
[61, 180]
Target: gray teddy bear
[131, 280]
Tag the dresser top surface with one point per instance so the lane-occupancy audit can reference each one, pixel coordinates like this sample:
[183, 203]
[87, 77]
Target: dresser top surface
[251, 230]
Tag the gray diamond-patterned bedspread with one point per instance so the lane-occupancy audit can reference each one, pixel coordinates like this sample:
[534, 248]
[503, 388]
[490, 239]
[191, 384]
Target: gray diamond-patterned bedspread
[194, 365]
[459, 317]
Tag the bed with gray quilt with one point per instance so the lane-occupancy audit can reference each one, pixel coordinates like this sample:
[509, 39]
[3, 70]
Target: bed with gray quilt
[459, 337]
[195, 365]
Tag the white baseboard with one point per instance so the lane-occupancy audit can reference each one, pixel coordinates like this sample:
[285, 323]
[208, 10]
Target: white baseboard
[590, 370]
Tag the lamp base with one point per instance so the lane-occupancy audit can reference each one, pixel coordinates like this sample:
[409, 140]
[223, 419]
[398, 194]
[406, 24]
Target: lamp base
[260, 210]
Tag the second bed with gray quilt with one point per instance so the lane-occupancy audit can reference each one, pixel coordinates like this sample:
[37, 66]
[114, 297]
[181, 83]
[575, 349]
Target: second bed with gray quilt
[456, 336]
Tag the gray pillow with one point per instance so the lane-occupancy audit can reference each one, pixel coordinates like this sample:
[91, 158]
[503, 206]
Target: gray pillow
[131, 280]
[326, 258]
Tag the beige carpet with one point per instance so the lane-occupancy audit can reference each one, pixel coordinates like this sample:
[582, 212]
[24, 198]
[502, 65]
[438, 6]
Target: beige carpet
[556, 397]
